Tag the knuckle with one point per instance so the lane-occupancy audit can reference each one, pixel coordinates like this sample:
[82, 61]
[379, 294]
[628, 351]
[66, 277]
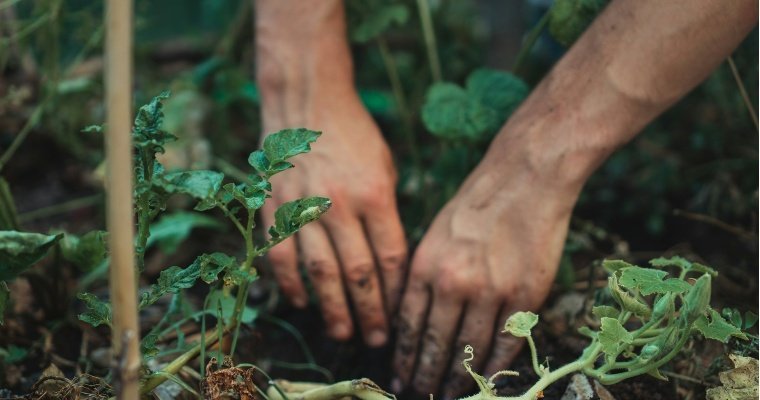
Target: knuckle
[376, 194]
[321, 270]
[392, 261]
[457, 280]
[359, 274]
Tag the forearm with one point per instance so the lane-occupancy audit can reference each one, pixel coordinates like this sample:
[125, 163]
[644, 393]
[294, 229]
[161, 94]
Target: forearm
[637, 59]
[302, 56]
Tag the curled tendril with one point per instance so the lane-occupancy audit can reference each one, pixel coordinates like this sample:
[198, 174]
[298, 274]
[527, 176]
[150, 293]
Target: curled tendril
[483, 384]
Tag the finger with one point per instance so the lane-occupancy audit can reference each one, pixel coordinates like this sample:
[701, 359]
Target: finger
[386, 236]
[436, 343]
[284, 261]
[477, 328]
[505, 346]
[360, 274]
[411, 319]
[324, 272]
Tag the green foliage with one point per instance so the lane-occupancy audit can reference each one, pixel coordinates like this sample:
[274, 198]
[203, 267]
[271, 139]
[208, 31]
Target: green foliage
[98, 311]
[648, 281]
[21, 250]
[568, 19]
[476, 112]
[714, 326]
[520, 323]
[197, 184]
[213, 264]
[85, 252]
[171, 280]
[173, 229]
[279, 147]
[227, 303]
[147, 134]
[13, 354]
[369, 19]
[613, 337]
[293, 215]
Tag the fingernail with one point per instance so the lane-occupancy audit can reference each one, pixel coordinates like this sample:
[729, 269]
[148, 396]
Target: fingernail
[396, 385]
[340, 331]
[377, 338]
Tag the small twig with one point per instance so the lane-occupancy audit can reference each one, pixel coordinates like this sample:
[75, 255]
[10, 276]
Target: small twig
[530, 41]
[743, 91]
[61, 208]
[748, 236]
[683, 377]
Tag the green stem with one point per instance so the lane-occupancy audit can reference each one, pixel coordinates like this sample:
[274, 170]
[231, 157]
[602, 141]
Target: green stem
[242, 293]
[743, 91]
[61, 208]
[426, 21]
[530, 41]
[534, 357]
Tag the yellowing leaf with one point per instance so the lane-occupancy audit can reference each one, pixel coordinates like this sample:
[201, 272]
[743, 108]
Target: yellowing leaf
[520, 323]
[739, 383]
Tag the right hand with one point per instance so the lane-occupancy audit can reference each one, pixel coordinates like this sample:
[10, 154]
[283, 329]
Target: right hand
[358, 247]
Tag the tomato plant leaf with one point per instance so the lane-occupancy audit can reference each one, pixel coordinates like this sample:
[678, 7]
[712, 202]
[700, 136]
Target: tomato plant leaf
[171, 280]
[199, 184]
[648, 281]
[569, 18]
[172, 229]
[85, 252]
[293, 215]
[520, 323]
[147, 133]
[280, 146]
[214, 263]
[450, 113]
[714, 326]
[249, 196]
[613, 337]
[21, 250]
[98, 311]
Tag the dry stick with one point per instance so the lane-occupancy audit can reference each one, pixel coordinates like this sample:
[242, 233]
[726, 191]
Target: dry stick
[743, 90]
[119, 206]
[743, 234]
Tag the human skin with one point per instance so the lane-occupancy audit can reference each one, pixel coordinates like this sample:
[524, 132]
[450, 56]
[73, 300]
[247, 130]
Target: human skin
[495, 247]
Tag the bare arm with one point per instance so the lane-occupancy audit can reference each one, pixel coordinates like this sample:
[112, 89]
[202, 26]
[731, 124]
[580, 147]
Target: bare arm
[494, 249]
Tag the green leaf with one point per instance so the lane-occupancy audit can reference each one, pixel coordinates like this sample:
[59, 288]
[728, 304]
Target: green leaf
[98, 311]
[450, 113]
[280, 146]
[697, 301]
[370, 19]
[498, 90]
[613, 337]
[21, 250]
[171, 280]
[750, 319]
[173, 229]
[147, 133]
[648, 281]
[85, 252]
[612, 266]
[228, 307]
[683, 264]
[520, 323]
[148, 346]
[13, 354]
[237, 276]
[717, 328]
[5, 295]
[625, 300]
[293, 215]
[250, 197]
[605, 311]
[214, 263]
[199, 184]
[569, 18]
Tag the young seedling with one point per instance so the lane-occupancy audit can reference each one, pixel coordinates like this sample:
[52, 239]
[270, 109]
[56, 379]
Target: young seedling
[652, 319]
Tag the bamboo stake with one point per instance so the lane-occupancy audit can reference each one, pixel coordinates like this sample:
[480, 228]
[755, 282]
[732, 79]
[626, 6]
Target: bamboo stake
[119, 207]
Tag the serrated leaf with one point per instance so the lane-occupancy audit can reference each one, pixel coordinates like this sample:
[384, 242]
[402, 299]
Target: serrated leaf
[371, 19]
[625, 300]
[98, 311]
[5, 295]
[214, 263]
[173, 229]
[605, 311]
[85, 252]
[287, 143]
[199, 184]
[648, 281]
[520, 323]
[569, 18]
[612, 266]
[613, 337]
[21, 250]
[450, 113]
[499, 90]
[147, 133]
[250, 197]
[717, 328]
[293, 215]
[171, 280]
[664, 262]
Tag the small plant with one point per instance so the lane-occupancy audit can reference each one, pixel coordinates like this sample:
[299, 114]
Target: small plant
[652, 319]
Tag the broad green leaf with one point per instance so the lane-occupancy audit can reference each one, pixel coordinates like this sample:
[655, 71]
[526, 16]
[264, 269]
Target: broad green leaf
[739, 383]
[569, 18]
[228, 307]
[13, 354]
[5, 295]
[214, 263]
[612, 266]
[648, 281]
[605, 311]
[147, 133]
[683, 264]
[85, 252]
[250, 197]
[498, 90]
[21, 250]
[717, 328]
[293, 215]
[613, 337]
[697, 300]
[520, 323]
[199, 184]
[449, 112]
[282, 145]
[171, 280]
[750, 319]
[370, 19]
[173, 229]
[625, 300]
[98, 311]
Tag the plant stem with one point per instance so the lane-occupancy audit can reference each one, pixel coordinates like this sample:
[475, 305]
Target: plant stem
[61, 208]
[743, 91]
[534, 357]
[530, 41]
[610, 379]
[242, 294]
[426, 21]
